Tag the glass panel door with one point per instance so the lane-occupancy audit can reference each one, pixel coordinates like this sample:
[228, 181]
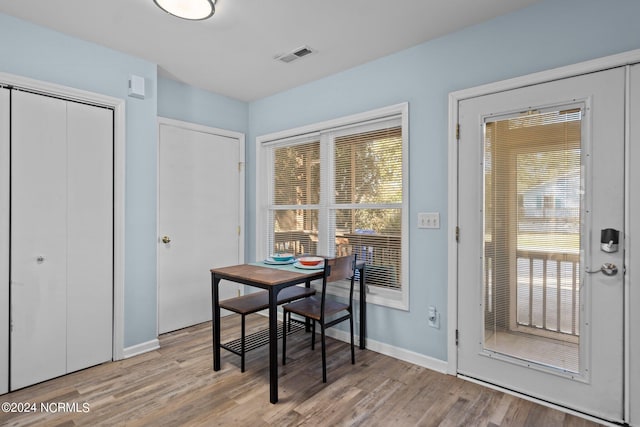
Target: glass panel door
[540, 174]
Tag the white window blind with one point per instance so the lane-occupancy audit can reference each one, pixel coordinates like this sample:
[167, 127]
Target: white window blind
[532, 216]
[295, 204]
[367, 203]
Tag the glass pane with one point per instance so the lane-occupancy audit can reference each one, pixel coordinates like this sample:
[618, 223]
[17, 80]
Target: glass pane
[532, 208]
[368, 170]
[368, 167]
[296, 187]
[297, 174]
[374, 236]
[295, 231]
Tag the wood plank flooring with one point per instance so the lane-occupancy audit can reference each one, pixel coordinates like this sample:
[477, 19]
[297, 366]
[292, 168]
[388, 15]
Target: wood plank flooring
[176, 386]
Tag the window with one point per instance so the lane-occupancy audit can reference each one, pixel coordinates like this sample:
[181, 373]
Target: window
[338, 188]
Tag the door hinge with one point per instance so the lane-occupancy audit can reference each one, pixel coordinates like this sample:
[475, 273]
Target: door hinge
[239, 230]
[240, 166]
[457, 234]
[458, 131]
[457, 337]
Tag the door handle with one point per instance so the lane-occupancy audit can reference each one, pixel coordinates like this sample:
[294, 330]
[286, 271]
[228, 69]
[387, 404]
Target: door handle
[608, 269]
[166, 239]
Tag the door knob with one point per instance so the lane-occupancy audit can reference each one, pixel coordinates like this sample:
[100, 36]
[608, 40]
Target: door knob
[608, 269]
[166, 239]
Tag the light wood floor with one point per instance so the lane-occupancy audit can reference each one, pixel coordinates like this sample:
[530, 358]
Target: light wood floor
[176, 386]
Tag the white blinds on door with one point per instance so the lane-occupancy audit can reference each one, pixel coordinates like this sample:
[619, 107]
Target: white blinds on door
[532, 208]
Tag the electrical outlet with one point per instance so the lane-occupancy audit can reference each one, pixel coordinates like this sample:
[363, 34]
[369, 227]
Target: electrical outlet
[428, 220]
[433, 317]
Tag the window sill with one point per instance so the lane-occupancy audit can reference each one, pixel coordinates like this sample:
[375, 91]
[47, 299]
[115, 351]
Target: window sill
[375, 295]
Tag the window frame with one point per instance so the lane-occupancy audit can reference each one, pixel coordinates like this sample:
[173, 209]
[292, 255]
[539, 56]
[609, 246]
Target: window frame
[395, 298]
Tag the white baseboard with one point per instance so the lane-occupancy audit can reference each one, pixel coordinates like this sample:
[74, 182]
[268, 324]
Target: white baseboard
[392, 351]
[386, 349]
[144, 347]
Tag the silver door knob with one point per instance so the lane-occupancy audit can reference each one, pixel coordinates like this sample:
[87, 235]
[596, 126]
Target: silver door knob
[609, 269]
[166, 239]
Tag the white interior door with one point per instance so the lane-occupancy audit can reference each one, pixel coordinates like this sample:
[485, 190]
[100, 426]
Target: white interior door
[199, 205]
[4, 238]
[541, 173]
[61, 237]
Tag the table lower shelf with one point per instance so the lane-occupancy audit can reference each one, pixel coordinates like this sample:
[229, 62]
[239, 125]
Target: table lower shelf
[260, 338]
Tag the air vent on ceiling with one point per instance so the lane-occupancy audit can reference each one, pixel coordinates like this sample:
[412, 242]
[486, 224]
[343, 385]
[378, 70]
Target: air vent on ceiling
[295, 54]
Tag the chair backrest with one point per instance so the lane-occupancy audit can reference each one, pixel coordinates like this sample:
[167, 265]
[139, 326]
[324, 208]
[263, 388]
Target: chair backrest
[339, 268]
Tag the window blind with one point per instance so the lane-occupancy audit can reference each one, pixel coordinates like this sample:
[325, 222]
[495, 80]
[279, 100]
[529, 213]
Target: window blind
[296, 198]
[532, 215]
[368, 194]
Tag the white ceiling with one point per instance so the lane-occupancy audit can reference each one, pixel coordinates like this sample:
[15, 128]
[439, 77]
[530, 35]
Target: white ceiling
[232, 53]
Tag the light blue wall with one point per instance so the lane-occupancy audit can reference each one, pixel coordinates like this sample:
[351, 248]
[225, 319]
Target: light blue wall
[183, 102]
[35, 52]
[549, 34]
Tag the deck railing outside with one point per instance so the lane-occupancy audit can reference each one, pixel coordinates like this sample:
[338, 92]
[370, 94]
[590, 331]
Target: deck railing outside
[547, 290]
[382, 253]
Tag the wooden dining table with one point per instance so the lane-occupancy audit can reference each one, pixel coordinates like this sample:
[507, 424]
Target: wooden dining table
[272, 278]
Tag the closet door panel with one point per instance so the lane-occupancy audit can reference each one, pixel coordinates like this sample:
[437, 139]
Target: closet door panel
[4, 240]
[90, 235]
[38, 239]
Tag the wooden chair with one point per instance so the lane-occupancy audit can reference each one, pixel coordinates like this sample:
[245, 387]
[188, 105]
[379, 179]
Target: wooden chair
[252, 303]
[325, 311]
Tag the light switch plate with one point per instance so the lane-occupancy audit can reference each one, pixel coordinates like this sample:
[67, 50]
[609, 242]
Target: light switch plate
[428, 220]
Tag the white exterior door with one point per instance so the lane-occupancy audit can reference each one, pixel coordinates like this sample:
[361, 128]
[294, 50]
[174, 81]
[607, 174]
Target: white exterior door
[61, 237]
[200, 199]
[541, 173]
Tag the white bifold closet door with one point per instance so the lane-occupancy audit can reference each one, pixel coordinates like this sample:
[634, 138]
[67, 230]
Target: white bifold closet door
[61, 237]
[4, 239]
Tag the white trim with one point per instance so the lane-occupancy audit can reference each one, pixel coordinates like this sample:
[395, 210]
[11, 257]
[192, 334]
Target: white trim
[393, 351]
[627, 249]
[382, 348]
[141, 348]
[334, 124]
[452, 249]
[592, 66]
[119, 143]
[623, 59]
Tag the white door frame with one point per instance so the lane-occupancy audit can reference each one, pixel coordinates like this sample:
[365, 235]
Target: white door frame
[118, 106]
[241, 158]
[599, 64]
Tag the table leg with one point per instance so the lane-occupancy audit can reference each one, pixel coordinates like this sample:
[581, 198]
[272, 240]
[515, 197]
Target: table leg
[307, 322]
[363, 309]
[273, 345]
[215, 319]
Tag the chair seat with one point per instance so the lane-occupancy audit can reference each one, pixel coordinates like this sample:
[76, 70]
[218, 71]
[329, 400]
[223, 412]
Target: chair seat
[258, 301]
[310, 307]
[255, 302]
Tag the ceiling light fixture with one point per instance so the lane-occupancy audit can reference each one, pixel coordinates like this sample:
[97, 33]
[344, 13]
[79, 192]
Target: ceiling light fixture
[194, 10]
